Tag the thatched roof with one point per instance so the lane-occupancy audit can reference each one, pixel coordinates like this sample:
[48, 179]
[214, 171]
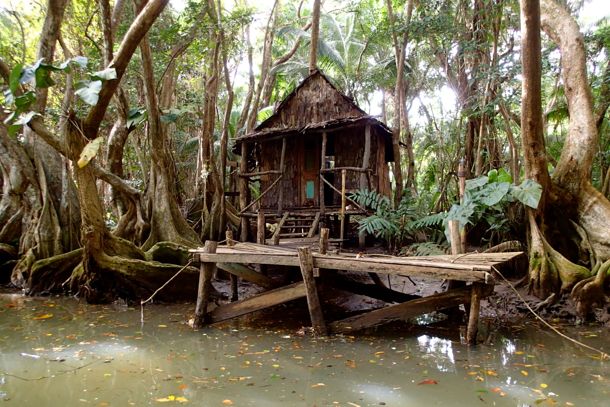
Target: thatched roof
[315, 104]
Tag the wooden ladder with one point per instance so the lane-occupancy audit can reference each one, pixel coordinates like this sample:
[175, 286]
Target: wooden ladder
[296, 225]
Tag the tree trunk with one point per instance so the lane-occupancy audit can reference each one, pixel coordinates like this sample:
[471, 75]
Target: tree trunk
[579, 211]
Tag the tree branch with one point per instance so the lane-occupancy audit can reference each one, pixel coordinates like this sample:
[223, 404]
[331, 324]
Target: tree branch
[130, 42]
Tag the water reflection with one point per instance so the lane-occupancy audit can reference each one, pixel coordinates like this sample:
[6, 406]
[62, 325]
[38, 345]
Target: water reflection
[60, 352]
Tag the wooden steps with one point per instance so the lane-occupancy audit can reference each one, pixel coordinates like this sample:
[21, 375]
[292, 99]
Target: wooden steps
[296, 225]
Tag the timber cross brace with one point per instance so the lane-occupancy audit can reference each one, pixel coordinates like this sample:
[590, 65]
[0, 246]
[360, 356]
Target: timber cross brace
[237, 259]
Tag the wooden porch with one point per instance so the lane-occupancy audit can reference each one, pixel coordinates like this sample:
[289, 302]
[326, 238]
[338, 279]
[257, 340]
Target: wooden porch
[475, 270]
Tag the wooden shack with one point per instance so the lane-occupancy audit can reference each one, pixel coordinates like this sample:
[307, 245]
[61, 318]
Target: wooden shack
[317, 144]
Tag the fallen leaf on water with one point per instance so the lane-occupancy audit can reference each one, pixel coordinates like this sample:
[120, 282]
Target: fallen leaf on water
[227, 402]
[544, 385]
[313, 386]
[350, 363]
[491, 372]
[43, 316]
[524, 372]
[183, 386]
[428, 381]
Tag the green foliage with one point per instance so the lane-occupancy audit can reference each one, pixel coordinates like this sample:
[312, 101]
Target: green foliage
[486, 199]
[20, 95]
[391, 225]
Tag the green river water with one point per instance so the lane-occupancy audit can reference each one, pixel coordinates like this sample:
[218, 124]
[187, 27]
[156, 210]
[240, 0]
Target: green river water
[59, 352]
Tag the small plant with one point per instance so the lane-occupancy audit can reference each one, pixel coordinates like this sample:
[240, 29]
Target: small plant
[391, 225]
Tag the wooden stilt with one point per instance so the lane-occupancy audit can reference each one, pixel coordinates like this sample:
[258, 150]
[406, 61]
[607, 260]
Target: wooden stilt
[233, 277]
[280, 200]
[324, 232]
[322, 167]
[206, 271]
[473, 319]
[342, 212]
[260, 227]
[363, 175]
[313, 301]
[243, 191]
[462, 191]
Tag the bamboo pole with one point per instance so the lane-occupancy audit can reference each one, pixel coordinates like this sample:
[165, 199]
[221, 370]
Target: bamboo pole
[342, 213]
[206, 271]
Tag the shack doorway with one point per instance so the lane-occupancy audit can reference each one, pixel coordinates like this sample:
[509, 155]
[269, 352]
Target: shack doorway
[310, 180]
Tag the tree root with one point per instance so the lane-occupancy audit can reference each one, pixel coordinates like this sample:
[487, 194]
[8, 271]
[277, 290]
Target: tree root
[589, 292]
[130, 279]
[47, 275]
[550, 271]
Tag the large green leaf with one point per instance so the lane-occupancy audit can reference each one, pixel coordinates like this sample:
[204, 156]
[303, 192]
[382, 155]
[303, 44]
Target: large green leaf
[89, 91]
[15, 78]
[493, 193]
[528, 193]
[104, 75]
[476, 182]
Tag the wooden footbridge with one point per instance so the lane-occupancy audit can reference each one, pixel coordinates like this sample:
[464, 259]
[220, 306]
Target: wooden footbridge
[474, 270]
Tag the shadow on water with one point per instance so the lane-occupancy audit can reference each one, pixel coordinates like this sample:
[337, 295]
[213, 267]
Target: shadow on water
[59, 352]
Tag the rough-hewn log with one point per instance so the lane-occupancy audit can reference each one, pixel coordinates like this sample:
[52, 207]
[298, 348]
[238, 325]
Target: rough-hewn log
[473, 318]
[206, 272]
[260, 227]
[313, 301]
[402, 312]
[246, 273]
[259, 302]
[324, 232]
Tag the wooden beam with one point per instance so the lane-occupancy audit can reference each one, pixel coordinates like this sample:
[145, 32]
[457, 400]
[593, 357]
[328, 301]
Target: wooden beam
[402, 311]
[314, 225]
[246, 273]
[473, 318]
[339, 192]
[342, 210]
[258, 302]
[450, 271]
[243, 191]
[354, 169]
[260, 227]
[278, 229]
[269, 188]
[206, 272]
[366, 158]
[322, 164]
[313, 301]
[324, 240]
[258, 173]
[280, 200]
[233, 277]
[378, 292]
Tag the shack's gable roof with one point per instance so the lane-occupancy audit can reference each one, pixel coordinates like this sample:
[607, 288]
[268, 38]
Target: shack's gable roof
[315, 100]
[314, 104]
